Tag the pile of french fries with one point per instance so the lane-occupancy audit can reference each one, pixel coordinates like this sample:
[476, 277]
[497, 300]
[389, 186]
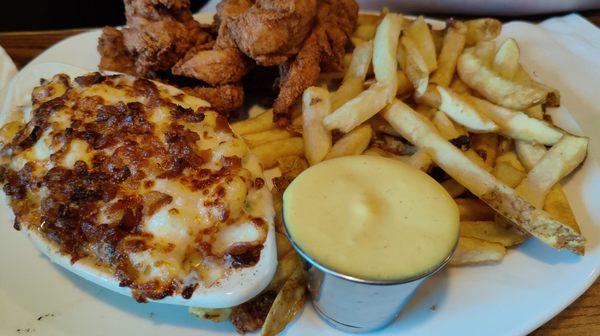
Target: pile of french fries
[453, 102]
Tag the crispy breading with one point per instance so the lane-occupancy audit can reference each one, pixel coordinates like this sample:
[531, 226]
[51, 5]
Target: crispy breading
[271, 31]
[223, 99]
[159, 32]
[224, 63]
[113, 55]
[324, 47]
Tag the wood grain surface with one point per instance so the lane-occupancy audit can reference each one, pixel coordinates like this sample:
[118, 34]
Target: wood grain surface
[581, 318]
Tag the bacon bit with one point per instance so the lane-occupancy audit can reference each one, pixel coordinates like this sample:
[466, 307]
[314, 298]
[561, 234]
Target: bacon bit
[145, 88]
[244, 254]
[259, 183]
[188, 291]
[221, 124]
[231, 161]
[89, 79]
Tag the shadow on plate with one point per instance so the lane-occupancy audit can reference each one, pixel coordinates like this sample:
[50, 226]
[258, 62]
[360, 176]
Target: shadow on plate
[157, 313]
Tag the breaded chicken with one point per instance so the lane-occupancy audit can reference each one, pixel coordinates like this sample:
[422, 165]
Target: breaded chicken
[324, 48]
[223, 63]
[114, 56]
[271, 31]
[223, 99]
[159, 33]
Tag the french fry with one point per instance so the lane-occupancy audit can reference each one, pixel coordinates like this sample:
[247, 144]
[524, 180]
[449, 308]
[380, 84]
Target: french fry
[384, 52]
[508, 174]
[511, 158]
[415, 66]
[453, 188]
[353, 143]
[358, 109]
[355, 75]
[461, 111]
[517, 125]
[365, 31]
[420, 160]
[556, 202]
[529, 153]
[477, 159]
[511, 94]
[492, 232]
[404, 84]
[485, 186]
[552, 94]
[445, 126]
[485, 52]
[430, 97]
[419, 31]
[506, 60]
[286, 266]
[355, 40]
[438, 40]
[471, 251]
[287, 304]
[454, 43]
[269, 153]
[262, 122]
[536, 111]
[317, 139]
[557, 163]
[401, 56]
[484, 29]
[460, 87]
[256, 139]
[471, 209]
[486, 145]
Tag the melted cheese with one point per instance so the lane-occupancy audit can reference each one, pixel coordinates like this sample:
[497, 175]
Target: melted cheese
[173, 230]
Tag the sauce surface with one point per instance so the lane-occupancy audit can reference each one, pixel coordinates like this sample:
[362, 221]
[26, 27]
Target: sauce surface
[372, 218]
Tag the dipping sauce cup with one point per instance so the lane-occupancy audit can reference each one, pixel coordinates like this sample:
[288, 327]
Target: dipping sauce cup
[358, 305]
[370, 230]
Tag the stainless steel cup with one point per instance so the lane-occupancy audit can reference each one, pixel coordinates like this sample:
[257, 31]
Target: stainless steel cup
[358, 305]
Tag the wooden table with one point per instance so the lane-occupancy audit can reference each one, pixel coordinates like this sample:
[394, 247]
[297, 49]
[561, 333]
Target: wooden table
[582, 317]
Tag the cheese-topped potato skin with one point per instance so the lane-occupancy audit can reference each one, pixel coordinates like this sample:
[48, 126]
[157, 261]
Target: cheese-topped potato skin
[138, 177]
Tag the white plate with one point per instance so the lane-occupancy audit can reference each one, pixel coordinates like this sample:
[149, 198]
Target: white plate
[532, 284]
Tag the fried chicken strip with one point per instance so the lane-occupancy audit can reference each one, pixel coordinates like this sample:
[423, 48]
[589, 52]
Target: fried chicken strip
[113, 55]
[336, 20]
[271, 31]
[223, 99]
[224, 63]
[159, 32]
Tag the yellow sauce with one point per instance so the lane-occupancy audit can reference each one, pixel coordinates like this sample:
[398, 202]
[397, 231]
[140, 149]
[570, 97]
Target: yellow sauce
[372, 218]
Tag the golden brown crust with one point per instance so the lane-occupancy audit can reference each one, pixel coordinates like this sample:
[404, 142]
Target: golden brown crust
[103, 156]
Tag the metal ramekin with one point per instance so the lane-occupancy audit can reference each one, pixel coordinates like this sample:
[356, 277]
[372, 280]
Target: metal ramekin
[354, 304]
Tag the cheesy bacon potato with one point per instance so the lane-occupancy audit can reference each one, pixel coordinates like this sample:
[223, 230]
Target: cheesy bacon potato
[144, 181]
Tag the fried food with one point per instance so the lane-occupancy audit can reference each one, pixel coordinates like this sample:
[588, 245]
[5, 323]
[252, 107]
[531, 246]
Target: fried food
[317, 139]
[159, 33]
[272, 31]
[114, 56]
[323, 48]
[223, 99]
[476, 251]
[296, 77]
[497, 195]
[223, 62]
[213, 66]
